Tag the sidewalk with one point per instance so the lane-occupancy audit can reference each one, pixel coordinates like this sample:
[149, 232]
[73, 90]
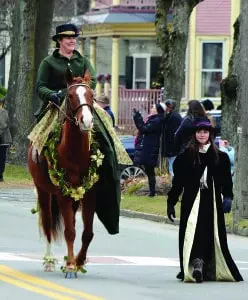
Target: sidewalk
[27, 194]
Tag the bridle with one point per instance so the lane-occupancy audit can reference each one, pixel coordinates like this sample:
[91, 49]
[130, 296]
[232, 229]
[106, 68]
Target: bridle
[72, 113]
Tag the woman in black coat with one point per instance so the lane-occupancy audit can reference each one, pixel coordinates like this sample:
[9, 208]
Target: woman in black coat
[148, 142]
[203, 174]
[184, 131]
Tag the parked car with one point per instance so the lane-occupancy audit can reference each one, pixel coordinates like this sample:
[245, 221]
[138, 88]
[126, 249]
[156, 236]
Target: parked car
[130, 172]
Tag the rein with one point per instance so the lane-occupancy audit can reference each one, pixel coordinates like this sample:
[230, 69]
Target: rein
[73, 113]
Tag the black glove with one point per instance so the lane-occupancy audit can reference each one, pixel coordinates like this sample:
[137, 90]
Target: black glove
[171, 212]
[135, 112]
[55, 98]
[227, 205]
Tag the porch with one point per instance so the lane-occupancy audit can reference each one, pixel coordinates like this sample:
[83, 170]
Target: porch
[142, 100]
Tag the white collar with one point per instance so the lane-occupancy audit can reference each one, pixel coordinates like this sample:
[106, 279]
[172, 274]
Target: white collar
[204, 149]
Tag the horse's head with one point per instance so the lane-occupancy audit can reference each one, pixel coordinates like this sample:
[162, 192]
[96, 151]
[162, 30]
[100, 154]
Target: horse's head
[79, 101]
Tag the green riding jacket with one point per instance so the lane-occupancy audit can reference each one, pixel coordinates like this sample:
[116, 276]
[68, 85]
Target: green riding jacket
[51, 75]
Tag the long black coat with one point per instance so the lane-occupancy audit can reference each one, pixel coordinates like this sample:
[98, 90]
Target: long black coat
[202, 229]
[147, 147]
[171, 124]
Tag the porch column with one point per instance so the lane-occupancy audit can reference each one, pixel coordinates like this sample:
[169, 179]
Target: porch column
[115, 76]
[93, 51]
[93, 4]
[99, 79]
[81, 46]
[107, 78]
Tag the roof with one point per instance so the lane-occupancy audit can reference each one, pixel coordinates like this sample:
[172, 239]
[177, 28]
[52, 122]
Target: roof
[114, 18]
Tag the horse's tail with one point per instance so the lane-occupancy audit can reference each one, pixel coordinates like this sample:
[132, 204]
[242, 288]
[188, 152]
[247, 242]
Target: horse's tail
[50, 216]
[56, 218]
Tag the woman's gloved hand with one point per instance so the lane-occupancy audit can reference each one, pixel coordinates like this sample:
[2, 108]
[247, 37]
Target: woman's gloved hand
[55, 98]
[227, 205]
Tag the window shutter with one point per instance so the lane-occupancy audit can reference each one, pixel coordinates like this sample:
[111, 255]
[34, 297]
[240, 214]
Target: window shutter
[155, 68]
[129, 72]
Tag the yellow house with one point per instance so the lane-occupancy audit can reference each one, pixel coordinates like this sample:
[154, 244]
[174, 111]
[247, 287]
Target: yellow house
[132, 21]
[122, 22]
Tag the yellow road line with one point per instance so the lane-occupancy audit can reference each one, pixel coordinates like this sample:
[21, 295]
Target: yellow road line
[34, 289]
[44, 283]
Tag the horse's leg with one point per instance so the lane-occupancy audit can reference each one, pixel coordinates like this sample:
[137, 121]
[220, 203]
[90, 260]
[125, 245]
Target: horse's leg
[44, 199]
[68, 208]
[88, 210]
[49, 260]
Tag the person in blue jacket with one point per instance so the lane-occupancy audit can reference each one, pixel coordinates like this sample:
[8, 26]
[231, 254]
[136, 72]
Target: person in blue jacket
[148, 142]
[104, 102]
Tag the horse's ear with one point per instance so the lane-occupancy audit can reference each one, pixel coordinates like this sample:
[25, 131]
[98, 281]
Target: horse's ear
[68, 75]
[87, 76]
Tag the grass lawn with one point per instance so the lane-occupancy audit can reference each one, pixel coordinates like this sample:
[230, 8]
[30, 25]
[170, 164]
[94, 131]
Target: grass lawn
[156, 205]
[16, 175]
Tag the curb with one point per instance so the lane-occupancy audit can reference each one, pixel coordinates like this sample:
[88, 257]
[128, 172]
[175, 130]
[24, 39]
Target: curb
[145, 216]
[163, 219]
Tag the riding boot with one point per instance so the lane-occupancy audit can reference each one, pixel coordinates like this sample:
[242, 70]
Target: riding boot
[197, 264]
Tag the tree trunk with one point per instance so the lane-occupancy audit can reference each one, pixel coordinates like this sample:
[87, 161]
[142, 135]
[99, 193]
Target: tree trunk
[27, 33]
[42, 39]
[241, 167]
[229, 85]
[172, 39]
[21, 75]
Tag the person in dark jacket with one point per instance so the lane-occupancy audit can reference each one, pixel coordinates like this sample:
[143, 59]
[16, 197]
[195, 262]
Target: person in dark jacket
[202, 173]
[5, 137]
[172, 121]
[148, 142]
[104, 102]
[51, 81]
[185, 130]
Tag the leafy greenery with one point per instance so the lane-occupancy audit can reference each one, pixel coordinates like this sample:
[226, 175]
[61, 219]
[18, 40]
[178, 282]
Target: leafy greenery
[135, 187]
[3, 92]
[57, 174]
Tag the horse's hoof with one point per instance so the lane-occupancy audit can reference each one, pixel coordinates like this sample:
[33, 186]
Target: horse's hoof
[50, 267]
[70, 275]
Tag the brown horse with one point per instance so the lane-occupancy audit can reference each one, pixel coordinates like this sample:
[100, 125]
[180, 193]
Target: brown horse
[73, 153]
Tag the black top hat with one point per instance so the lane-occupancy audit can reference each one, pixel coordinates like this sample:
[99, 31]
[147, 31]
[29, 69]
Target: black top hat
[69, 30]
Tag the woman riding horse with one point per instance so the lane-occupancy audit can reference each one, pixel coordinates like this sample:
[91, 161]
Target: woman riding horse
[74, 147]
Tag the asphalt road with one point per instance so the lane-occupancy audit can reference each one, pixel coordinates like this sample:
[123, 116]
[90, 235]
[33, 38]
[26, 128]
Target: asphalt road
[139, 263]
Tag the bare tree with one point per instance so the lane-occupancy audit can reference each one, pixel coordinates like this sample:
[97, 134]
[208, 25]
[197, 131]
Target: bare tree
[172, 38]
[241, 165]
[6, 9]
[31, 30]
[229, 85]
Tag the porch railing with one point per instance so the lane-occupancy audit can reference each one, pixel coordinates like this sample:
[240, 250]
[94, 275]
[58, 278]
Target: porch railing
[138, 3]
[142, 100]
[125, 3]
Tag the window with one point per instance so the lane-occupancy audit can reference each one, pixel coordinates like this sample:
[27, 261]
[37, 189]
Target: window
[141, 71]
[211, 69]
